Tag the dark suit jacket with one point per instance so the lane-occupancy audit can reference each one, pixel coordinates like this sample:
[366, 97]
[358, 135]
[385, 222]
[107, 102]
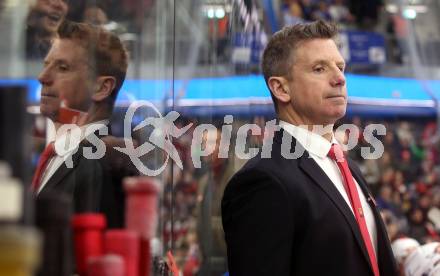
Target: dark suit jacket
[285, 217]
[95, 185]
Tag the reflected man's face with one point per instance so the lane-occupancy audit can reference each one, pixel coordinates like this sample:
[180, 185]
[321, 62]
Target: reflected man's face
[66, 76]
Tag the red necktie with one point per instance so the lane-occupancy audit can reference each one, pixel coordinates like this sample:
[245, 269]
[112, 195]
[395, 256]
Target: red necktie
[337, 155]
[48, 153]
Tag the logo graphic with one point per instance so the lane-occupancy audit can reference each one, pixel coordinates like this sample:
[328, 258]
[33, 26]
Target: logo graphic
[164, 129]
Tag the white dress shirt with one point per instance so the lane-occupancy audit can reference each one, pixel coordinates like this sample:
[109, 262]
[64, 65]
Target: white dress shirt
[318, 148]
[61, 140]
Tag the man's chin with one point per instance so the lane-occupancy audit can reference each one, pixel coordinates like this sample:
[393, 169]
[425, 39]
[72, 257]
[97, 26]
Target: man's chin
[332, 118]
[49, 113]
[340, 112]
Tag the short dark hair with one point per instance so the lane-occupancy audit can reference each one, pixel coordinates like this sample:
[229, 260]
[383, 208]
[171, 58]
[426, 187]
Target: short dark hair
[105, 50]
[278, 54]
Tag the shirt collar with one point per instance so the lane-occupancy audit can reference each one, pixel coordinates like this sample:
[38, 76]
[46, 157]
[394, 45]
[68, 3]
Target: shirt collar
[66, 143]
[312, 142]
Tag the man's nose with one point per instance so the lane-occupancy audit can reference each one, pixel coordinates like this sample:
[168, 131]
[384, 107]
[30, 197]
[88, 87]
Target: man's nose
[45, 77]
[338, 79]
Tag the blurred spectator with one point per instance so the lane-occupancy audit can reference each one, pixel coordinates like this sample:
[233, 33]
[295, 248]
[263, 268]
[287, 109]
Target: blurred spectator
[192, 260]
[339, 12]
[397, 27]
[418, 224]
[385, 162]
[404, 133]
[371, 171]
[307, 8]
[391, 145]
[42, 23]
[391, 224]
[407, 167]
[399, 182]
[136, 10]
[423, 261]
[385, 199]
[402, 248]
[387, 177]
[95, 15]
[292, 13]
[322, 12]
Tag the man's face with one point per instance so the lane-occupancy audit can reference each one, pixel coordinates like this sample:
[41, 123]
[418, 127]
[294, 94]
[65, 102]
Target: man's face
[318, 94]
[66, 77]
[50, 14]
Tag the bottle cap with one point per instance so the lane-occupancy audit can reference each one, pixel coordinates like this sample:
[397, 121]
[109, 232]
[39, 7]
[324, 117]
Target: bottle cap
[140, 184]
[89, 220]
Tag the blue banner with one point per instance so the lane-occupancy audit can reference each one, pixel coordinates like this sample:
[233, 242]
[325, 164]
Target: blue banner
[363, 47]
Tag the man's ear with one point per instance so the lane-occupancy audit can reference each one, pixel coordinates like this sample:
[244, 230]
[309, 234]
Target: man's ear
[280, 88]
[104, 88]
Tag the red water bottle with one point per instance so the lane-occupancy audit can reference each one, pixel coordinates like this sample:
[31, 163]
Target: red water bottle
[141, 215]
[88, 230]
[124, 243]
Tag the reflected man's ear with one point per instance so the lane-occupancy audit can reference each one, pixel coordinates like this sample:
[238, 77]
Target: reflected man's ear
[104, 88]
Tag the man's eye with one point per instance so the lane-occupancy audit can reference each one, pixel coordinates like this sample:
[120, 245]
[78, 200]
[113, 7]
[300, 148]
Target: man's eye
[318, 69]
[63, 67]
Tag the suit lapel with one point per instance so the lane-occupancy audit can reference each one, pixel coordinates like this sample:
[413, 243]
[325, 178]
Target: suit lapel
[62, 172]
[312, 169]
[309, 166]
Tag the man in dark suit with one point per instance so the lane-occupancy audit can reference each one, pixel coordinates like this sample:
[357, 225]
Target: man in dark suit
[82, 74]
[295, 214]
